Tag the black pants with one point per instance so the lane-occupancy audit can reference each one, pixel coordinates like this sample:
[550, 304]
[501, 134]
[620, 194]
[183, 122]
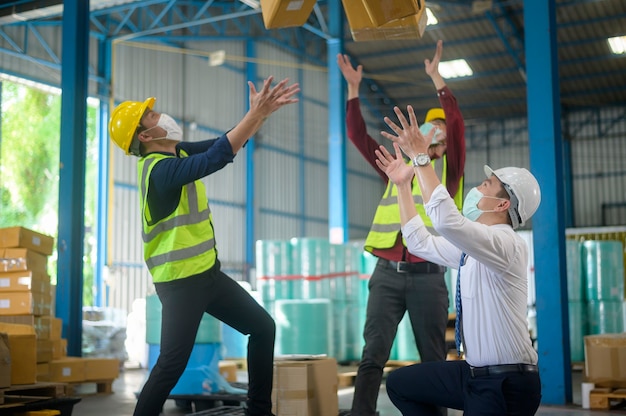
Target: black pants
[184, 303]
[418, 389]
[391, 294]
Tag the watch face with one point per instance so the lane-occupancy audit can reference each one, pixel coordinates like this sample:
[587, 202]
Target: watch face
[423, 160]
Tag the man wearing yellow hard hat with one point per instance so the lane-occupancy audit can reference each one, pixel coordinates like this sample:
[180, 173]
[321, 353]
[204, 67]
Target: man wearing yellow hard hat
[401, 281]
[179, 240]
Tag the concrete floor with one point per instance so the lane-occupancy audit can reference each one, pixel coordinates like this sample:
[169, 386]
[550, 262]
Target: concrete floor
[122, 401]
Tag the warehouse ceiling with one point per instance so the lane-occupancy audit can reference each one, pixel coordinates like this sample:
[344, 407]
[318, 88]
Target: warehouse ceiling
[488, 34]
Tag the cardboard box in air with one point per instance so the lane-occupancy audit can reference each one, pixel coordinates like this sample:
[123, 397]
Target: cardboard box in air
[15, 259]
[605, 359]
[386, 11]
[23, 347]
[5, 361]
[305, 387]
[101, 368]
[67, 370]
[285, 13]
[12, 237]
[364, 29]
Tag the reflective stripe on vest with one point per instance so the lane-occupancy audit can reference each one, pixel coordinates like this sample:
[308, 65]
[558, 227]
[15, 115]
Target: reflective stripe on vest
[181, 244]
[386, 225]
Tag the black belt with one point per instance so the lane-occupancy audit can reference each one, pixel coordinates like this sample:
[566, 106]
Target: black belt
[503, 369]
[425, 267]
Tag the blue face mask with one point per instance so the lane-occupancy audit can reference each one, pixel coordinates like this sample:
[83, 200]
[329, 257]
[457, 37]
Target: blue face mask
[470, 204]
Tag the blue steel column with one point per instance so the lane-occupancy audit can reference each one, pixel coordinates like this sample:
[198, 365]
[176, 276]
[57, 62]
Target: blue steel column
[546, 148]
[102, 221]
[69, 292]
[251, 74]
[337, 170]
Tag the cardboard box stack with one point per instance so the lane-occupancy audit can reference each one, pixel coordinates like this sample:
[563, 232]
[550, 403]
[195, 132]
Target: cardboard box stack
[605, 359]
[37, 350]
[26, 302]
[368, 19]
[306, 387]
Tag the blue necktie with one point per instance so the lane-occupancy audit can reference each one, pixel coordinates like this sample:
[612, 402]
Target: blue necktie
[459, 308]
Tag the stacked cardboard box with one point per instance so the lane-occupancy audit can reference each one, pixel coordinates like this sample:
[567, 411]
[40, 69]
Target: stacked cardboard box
[26, 296]
[24, 280]
[306, 387]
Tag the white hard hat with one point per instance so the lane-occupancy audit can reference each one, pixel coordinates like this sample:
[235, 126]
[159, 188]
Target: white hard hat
[523, 189]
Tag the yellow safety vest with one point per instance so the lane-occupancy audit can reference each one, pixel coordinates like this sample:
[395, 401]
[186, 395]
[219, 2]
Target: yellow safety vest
[183, 243]
[386, 224]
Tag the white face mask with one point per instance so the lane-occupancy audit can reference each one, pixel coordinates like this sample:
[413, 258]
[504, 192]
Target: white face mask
[172, 129]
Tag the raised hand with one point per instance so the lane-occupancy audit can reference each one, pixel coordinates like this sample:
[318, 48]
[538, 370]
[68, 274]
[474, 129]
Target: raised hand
[432, 67]
[270, 99]
[353, 76]
[408, 135]
[395, 168]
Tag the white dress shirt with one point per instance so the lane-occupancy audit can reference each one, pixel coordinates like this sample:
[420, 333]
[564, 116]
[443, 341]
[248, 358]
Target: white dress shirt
[493, 280]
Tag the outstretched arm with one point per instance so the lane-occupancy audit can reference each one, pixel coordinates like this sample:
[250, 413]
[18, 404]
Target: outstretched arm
[352, 76]
[410, 139]
[432, 67]
[262, 104]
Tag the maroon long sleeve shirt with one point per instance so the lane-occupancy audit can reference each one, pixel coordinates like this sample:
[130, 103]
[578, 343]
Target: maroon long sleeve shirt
[455, 153]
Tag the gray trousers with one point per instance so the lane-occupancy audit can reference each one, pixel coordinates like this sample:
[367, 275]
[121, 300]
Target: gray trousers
[391, 294]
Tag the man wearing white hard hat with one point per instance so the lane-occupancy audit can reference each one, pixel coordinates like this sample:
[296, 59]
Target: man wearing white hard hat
[499, 375]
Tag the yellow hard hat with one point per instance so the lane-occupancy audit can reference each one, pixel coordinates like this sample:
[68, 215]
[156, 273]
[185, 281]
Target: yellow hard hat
[125, 119]
[434, 114]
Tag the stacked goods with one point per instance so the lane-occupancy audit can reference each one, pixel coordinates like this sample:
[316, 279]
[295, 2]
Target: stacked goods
[38, 351]
[26, 301]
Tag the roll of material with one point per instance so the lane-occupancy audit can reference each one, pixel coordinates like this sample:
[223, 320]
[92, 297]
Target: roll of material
[575, 275]
[273, 258]
[577, 329]
[303, 326]
[605, 316]
[603, 265]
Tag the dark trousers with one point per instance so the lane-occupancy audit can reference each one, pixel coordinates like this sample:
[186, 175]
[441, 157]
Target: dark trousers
[418, 390]
[184, 303]
[391, 294]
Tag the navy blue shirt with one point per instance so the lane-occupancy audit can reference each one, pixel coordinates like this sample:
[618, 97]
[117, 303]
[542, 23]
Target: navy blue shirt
[170, 175]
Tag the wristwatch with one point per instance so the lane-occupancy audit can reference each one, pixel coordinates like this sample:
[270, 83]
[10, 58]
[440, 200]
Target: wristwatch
[422, 159]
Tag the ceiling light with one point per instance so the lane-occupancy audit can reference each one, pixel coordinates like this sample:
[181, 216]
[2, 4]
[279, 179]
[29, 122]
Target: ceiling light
[455, 69]
[618, 44]
[217, 58]
[432, 20]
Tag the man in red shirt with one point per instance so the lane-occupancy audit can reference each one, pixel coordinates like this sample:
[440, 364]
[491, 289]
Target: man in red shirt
[402, 282]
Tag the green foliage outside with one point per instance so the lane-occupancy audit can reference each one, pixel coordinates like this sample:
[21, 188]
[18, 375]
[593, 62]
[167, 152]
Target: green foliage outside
[30, 134]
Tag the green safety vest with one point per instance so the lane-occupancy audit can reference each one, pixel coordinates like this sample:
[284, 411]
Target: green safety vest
[386, 224]
[183, 243]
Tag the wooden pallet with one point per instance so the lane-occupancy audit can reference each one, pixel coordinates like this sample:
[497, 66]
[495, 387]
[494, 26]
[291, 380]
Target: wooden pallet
[86, 388]
[17, 396]
[606, 398]
[347, 378]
